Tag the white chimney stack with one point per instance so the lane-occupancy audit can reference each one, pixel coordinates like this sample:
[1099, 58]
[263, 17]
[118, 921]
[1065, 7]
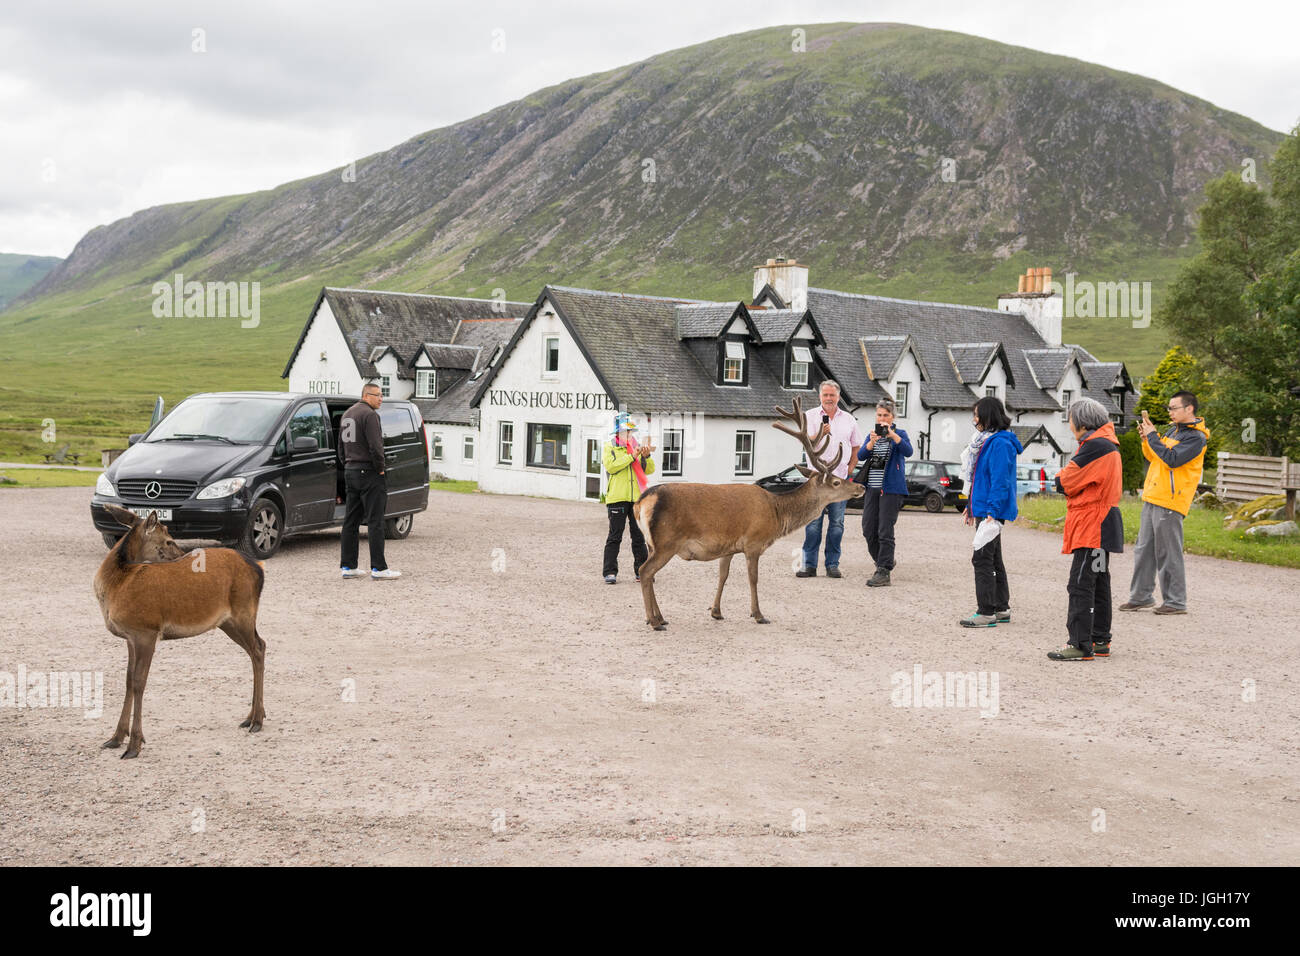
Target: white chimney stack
[1038, 302]
[787, 277]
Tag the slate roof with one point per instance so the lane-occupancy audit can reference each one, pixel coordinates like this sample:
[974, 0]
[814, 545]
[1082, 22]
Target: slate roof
[777, 325]
[401, 321]
[1028, 434]
[846, 317]
[704, 319]
[451, 356]
[971, 360]
[1102, 377]
[1048, 366]
[631, 342]
[481, 338]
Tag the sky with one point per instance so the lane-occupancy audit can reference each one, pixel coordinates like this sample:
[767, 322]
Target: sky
[111, 107]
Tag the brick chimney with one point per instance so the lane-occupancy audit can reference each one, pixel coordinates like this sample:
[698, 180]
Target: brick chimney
[1040, 303]
[787, 277]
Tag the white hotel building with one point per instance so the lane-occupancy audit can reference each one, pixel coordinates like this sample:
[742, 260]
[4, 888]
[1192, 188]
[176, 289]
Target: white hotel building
[521, 397]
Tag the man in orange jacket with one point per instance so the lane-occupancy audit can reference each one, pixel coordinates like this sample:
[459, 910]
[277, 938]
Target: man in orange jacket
[1094, 529]
[1177, 459]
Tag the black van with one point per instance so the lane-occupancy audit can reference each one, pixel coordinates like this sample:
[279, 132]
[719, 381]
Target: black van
[249, 468]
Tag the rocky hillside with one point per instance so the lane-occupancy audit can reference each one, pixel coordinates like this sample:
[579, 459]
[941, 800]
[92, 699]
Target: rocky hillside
[680, 172]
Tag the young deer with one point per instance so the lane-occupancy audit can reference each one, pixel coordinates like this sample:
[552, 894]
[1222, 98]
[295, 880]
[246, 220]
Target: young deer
[143, 602]
[701, 522]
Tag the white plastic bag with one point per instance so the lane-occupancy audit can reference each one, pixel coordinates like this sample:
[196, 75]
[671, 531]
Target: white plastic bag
[988, 529]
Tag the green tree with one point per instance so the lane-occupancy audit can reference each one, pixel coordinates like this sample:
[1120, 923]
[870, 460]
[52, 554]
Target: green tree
[1178, 371]
[1234, 308]
[1135, 463]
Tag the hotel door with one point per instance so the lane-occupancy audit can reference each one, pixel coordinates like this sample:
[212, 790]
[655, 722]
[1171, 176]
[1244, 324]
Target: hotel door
[591, 471]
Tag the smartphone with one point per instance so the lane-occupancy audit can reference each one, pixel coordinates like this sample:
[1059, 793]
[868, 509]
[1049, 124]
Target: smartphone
[826, 419]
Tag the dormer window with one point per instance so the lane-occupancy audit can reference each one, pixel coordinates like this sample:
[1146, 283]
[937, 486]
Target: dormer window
[425, 383]
[800, 362]
[733, 364]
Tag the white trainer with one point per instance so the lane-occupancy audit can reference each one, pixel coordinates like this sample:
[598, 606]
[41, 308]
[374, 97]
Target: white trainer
[387, 574]
[353, 573]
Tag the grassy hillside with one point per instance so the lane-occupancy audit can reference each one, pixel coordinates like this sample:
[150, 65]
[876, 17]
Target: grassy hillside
[19, 273]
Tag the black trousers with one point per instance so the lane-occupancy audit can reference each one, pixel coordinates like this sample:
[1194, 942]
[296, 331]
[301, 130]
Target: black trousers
[367, 498]
[879, 514]
[619, 515]
[1088, 619]
[991, 591]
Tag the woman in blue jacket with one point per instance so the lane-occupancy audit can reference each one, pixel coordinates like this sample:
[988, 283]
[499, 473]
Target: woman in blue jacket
[992, 483]
[882, 473]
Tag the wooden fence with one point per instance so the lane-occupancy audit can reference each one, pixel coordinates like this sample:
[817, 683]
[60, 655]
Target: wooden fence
[1243, 477]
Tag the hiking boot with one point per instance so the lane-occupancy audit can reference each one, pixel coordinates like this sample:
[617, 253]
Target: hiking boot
[880, 579]
[1131, 606]
[1070, 653]
[833, 573]
[979, 620]
[806, 573]
[1166, 609]
[1004, 617]
[1101, 649]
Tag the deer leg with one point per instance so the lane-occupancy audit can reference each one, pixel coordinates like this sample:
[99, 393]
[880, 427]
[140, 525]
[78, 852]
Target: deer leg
[653, 617]
[724, 568]
[139, 677]
[124, 721]
[246, 636]
[752, 558]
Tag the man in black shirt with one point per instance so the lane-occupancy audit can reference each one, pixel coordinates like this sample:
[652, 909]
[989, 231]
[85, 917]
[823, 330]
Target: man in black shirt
[367, 488]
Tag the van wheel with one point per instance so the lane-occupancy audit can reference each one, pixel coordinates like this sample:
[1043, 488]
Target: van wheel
[399, 527]
[110, 540]
[264, 531]
[933, 502]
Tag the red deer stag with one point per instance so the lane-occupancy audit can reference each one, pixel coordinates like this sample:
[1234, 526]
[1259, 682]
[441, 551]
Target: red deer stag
[143, 602]
[701, 522]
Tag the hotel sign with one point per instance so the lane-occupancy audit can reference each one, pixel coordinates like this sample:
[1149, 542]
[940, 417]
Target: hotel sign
[597, 401]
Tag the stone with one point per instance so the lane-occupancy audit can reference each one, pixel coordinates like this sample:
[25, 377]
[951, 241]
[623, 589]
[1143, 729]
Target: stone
[1274, 529]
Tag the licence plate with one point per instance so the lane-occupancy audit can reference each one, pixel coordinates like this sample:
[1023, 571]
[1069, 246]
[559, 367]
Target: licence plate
[164, 514]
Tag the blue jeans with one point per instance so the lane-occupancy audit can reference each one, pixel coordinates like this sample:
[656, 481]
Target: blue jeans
[812, 535]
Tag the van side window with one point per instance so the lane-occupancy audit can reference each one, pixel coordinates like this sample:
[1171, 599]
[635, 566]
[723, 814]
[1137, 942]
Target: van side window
[310, 422]
[396, 424]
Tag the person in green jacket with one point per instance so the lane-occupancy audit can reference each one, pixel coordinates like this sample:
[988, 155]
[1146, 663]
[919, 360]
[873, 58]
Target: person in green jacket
[627, 463]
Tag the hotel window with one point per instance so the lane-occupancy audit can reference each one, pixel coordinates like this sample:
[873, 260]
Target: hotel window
[435, 447]
[383, 385]
[900, 399]
[426, 384]
[672, 451]
[800, 361]
[548, 446]
[733, 365]
[1067, 397]
[551, 355]
[744, 453]
[505, 443]
[467, 452]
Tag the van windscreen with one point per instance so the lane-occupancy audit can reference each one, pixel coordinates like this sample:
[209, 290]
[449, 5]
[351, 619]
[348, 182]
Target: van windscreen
[220, 418]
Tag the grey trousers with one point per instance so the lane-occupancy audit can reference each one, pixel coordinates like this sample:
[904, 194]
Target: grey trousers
[1159, 549]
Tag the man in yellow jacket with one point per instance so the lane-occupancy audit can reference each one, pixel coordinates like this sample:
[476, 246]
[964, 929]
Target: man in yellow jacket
[1177, 459]
[627, 464]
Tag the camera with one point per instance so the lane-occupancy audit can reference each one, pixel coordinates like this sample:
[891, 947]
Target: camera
[882, 430]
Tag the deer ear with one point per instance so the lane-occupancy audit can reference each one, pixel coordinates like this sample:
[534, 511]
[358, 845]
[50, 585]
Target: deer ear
[806, 472]
[121, 515]
[152, 521]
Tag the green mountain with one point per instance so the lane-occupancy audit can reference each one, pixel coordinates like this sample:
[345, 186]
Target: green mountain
[892, 159]
[19, 273]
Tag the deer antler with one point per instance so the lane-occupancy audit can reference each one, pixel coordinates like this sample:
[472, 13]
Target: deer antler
[800, 431]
